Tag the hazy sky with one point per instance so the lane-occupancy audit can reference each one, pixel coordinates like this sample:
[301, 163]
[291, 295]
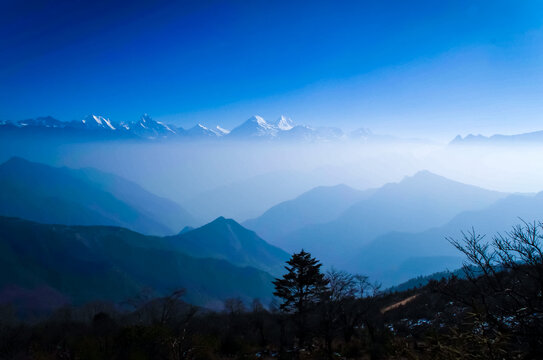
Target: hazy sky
[402, 67]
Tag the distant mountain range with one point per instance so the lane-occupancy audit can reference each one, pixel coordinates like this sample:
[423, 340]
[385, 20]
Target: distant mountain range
[52, 195]
[417, 203]
[391, 257]
[97, 127]
[79, 264]
[255, 128]
[535, 137]
[396, 232]
[319, 205]
[392, 233]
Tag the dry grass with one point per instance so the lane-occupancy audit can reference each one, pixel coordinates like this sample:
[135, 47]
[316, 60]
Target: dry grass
[399, 303]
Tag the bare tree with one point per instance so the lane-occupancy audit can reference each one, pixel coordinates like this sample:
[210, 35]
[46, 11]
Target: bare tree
[505, 292]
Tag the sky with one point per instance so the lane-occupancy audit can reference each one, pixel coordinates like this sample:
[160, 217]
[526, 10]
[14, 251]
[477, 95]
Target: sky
[412, 68]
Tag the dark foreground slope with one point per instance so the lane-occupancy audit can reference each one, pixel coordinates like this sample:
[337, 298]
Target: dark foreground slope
[445, 319]
[81, 264]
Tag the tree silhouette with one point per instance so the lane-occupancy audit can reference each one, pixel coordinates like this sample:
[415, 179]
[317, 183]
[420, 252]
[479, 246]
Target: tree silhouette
[301, 289]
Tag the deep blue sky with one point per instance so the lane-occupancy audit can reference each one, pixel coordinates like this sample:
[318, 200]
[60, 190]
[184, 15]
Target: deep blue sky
[438, 67]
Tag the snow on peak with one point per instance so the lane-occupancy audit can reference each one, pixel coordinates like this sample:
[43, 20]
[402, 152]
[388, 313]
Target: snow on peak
[103, 121]
[259, 120]
[166, 127]
[284, 123]
[147, 122]
[222, 131]
[255, 126]
[98, 121]
[145, 118]
[125, 125]
[201, 131]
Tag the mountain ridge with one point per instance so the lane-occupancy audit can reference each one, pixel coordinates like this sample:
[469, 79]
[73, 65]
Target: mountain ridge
[398, 247]
[533, 137]
[97, 127]
[318, 205]
[416, 203]
[84, 197]
[226, 239]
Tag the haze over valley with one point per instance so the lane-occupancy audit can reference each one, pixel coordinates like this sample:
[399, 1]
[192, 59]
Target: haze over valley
[381, 207]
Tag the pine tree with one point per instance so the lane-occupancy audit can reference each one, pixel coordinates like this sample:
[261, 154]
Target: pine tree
[301, 289]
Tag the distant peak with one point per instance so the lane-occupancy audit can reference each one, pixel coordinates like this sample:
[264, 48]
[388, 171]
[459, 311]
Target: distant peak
[284, 123]
[145, 117]
[200, 130]
[98, 121]
[221, 220]
[425, 173]
[186, 229]
[16, 160]
[424, 176]
[258, 119]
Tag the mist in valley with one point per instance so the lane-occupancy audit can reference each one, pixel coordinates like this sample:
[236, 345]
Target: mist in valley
[241, 180]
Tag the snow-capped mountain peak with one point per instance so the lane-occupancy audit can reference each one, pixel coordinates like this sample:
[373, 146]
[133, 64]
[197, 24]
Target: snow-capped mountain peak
[284, 123]
[255, 119]
[200, 130]
[255, 126]
[97, 121]
[147, 121]
[148, 127]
